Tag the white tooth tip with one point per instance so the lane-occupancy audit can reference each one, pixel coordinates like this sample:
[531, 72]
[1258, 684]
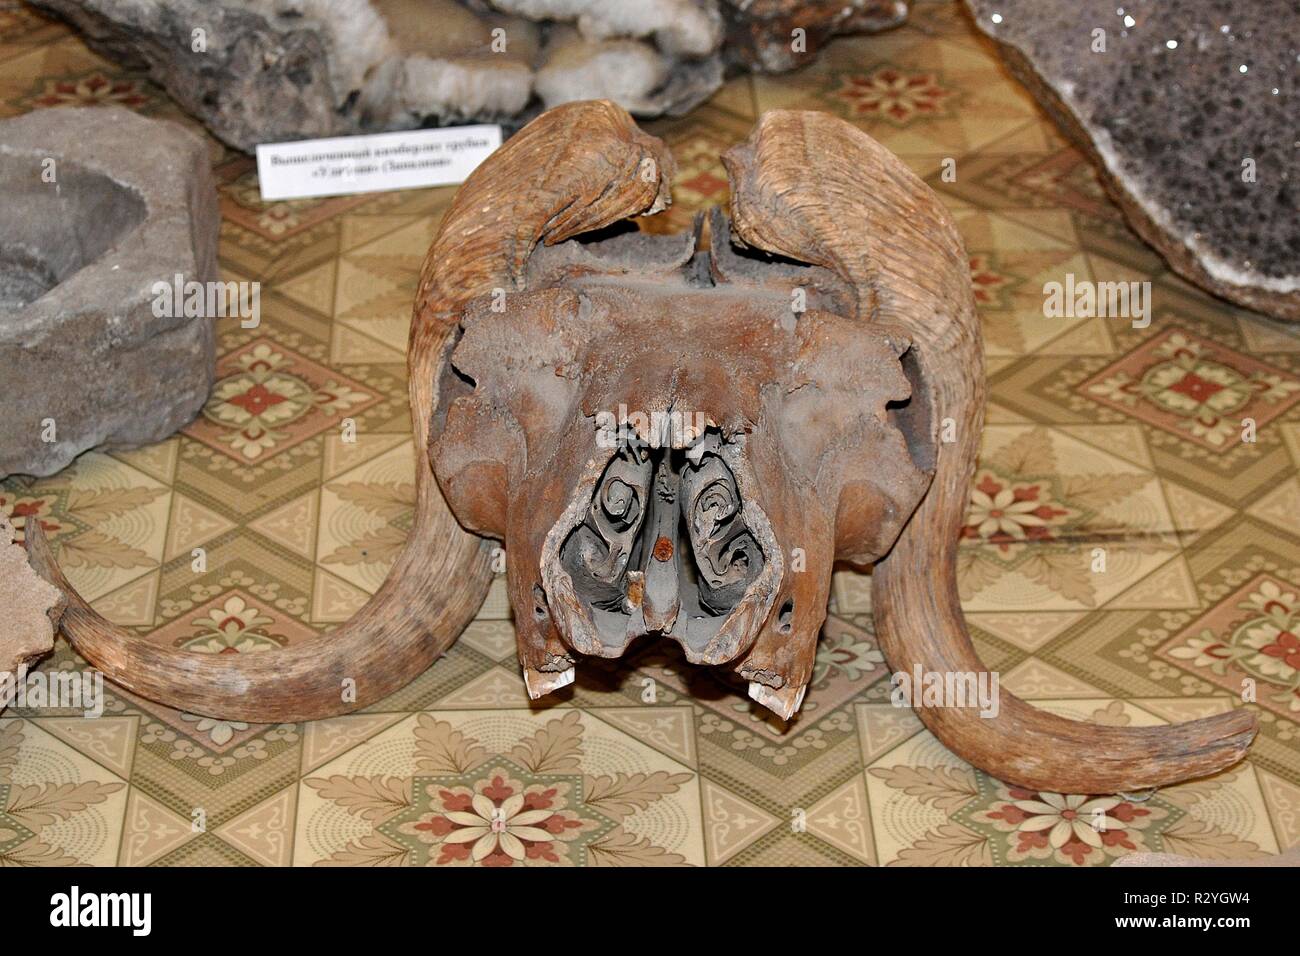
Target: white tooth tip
[540, 683]
[783, 702]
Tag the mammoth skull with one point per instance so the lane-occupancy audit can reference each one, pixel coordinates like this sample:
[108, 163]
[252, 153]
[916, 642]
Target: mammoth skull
[679, 443]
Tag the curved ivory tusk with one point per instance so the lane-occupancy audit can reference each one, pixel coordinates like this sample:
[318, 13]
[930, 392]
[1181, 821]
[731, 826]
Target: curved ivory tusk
[433, 590]
[408, 623]
[814, 188]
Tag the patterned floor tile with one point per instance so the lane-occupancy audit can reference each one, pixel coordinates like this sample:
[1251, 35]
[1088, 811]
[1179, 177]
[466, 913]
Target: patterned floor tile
[1057, 524]
[268, 399]
[109, 741]
[1195, 388]
[1248, 643]
[151, 831]
[500, 788]
[365, 515]
[265, 833]
[843, 819]
[731, 823]
[58, 807]
[931, 809]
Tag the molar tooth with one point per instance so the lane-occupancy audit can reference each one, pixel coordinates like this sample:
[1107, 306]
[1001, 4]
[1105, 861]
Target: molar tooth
[782, 701]
[541, 683]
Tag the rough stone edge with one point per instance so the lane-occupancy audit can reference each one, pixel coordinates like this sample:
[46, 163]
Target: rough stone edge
[272, 56]
[193, 194]
[750, 39]
[1288, 858]
[30, 608]
[286, 52]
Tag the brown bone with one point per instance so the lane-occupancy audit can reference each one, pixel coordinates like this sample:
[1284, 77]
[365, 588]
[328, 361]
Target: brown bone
[681, 444]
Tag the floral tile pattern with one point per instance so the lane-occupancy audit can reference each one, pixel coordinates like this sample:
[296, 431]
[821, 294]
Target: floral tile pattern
[241, 205]
[888, 93]
[1194, 387]
[268, 399]
[501, 789]
[1251, 635]
[1126, 557]
[1056, 521]
[92, 89]
[57, 806]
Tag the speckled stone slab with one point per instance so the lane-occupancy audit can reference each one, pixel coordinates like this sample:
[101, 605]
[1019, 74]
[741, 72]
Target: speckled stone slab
[1189, 110]
[99, 206]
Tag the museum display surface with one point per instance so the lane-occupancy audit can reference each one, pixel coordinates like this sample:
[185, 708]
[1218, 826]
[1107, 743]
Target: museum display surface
[778, 451]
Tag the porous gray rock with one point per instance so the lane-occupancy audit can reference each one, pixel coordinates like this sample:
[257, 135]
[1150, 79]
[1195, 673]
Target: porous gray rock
[100, 205]
[265, 71]
[1188, 109]
[247, 77]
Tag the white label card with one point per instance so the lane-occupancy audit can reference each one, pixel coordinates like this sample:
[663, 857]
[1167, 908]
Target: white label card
[373, 163]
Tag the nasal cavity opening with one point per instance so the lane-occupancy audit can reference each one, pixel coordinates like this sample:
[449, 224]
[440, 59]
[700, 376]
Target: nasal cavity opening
[785, 617]
[663, 548]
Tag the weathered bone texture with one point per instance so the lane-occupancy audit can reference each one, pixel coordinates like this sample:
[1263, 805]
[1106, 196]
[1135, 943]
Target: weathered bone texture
[98, 206]
[813, 359]
[1170, 128]
[30, 607]
[275, 70]
[817, 435]
[809, 417]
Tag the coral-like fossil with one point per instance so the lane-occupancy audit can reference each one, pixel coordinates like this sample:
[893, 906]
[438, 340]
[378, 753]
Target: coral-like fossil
[680, 443]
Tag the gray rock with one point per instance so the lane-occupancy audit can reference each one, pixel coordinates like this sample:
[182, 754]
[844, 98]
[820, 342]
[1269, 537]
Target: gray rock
[1185, 92]
[266, 71]
[257, 80]
[132, 203]
[760, 33]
